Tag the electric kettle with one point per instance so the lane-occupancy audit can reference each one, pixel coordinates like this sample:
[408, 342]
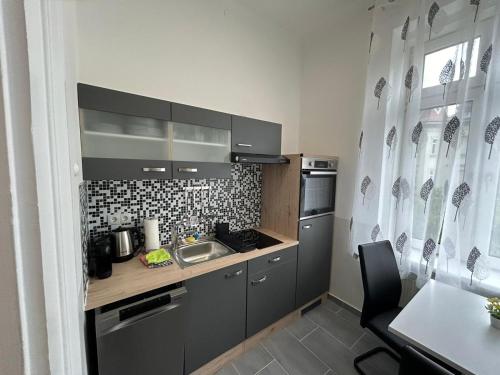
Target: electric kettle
[124, 242]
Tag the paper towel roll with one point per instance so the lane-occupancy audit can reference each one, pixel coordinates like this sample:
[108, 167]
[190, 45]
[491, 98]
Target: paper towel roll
[152, 234]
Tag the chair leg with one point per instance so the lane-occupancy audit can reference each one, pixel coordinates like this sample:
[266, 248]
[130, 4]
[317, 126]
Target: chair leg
[371, 352]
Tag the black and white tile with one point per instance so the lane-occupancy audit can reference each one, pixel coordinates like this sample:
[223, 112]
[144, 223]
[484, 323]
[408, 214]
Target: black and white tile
[84, 232]
[236, 200]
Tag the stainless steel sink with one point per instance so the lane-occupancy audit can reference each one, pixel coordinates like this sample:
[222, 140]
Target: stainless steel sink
[189, 255]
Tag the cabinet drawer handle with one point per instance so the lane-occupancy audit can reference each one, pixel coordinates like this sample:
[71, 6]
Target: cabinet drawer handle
[188, 170]
[153, 169]
[275, 260]
[307, 226]
[243, 145]
[233, 274]
[259, 281]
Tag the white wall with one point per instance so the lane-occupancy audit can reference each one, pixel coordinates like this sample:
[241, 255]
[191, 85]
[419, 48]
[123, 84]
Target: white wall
[333, 82]
[214, 54]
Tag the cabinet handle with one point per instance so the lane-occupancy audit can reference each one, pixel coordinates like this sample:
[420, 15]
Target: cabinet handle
[233, 274]
[153, 169]
[275, 260]
[243, 145]
[188, 170]
[307, 226]
[259, 281]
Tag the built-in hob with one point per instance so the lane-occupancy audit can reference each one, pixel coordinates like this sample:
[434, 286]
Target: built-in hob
[246, 240]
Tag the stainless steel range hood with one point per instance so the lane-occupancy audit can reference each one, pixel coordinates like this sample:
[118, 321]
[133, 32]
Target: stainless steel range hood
[239, 157]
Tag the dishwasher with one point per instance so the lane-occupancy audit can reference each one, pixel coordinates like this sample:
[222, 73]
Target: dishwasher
[142, 335]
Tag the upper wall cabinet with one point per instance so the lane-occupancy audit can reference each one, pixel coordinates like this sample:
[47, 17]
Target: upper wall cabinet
[123, 136]
[201, 140]
[127, 136]
[255, 136]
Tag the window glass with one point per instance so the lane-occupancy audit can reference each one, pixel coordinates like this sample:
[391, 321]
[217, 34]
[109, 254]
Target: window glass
[435, 61]
[431, 147]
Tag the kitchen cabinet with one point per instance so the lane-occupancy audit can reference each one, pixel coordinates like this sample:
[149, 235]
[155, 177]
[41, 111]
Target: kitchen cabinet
[314, 258]
[270, 289]
[216, 313]
[255, 136]
[201, 142]
[123, 136]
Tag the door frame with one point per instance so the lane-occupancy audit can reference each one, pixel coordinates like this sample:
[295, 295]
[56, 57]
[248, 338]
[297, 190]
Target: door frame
[52, 73]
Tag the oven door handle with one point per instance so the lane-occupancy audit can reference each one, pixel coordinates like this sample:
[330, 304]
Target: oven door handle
[320, 173]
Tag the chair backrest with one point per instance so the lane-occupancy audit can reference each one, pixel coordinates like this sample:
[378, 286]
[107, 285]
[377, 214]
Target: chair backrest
[415, 363]
[381, 280]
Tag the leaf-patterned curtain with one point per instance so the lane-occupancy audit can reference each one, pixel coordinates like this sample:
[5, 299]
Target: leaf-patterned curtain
[428, 175]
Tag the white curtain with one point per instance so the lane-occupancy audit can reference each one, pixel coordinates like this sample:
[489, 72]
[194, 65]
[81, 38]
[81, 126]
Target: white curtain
[429, 155]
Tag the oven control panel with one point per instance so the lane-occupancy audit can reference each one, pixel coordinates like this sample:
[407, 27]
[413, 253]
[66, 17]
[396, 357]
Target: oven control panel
[319, 163]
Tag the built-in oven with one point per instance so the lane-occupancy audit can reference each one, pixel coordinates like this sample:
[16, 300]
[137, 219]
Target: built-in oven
[317, 186]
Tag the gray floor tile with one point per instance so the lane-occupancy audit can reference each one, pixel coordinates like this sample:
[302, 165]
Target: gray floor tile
[252, 361]
[380, 363]
[346, 314]
[367, 342]
[331, 305]
[292, 355]
[301, 327]
[331, 351]
[337, 326]
[273, 369]
[227, 370]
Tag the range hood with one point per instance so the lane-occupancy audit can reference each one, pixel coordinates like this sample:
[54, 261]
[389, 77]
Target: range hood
[240, 157]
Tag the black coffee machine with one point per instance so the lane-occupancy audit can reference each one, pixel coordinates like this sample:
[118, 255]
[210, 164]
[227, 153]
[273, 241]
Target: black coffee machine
[100, 258]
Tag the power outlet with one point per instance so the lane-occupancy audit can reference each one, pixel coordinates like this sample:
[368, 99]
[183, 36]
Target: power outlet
[125, 218]
[120, 218]
[114, 219]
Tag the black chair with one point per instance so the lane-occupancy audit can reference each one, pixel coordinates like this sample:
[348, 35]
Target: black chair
[415, 363]
[382, 289]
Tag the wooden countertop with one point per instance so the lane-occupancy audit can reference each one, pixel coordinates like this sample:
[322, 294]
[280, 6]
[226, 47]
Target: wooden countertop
[132, 277]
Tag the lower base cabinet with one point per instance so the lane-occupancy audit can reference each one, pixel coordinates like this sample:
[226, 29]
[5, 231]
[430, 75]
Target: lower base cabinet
[270, 289]
[314, 258]
[216, 312]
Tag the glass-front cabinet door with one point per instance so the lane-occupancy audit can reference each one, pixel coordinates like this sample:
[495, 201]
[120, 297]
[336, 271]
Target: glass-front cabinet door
[113, 135]
[200, 143]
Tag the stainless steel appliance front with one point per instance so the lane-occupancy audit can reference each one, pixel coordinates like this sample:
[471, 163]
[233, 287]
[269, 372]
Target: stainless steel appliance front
[317, 186]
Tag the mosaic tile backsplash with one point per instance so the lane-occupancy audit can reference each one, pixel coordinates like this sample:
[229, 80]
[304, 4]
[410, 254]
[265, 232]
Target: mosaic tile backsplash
[236, 200]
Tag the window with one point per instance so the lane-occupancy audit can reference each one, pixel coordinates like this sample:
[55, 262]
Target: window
[495, 233]
[430, 148]
[435, 61]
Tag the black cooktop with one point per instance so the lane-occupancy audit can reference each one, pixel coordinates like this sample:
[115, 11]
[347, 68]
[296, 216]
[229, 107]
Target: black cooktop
[246, 240]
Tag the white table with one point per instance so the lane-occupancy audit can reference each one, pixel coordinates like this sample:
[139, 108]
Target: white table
[452, 325]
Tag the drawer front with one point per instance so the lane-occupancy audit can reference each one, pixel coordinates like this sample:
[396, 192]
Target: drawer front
[125, 169]
[199, 170]
[275, 259]
[271, 296]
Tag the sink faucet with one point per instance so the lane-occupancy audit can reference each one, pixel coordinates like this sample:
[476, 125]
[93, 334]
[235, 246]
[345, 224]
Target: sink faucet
[175, 235]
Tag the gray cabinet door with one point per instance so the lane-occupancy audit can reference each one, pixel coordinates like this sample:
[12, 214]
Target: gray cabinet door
[215, 314]
[125, 169]
[187, 114]
[255, 136]
[106, 100]
[271, 292]
[198, 170]
[314, 258]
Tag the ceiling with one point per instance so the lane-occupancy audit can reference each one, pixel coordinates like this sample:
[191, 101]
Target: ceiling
[305, 17]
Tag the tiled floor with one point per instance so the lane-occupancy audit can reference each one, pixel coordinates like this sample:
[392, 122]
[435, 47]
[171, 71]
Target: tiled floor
[324, 342]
